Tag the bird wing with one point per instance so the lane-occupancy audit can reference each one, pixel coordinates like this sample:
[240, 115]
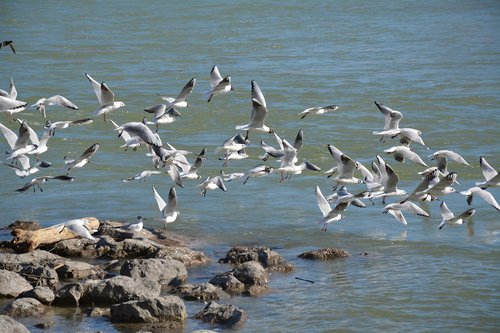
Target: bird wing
[215, 77]
[398, 215]
[7, 104]
[172, 201]
[62, 101]
[323, 204]
[392, 179]
[159, 201]
[107, 96]
[414, 209]
[186, 90]
[486, 196]
[487, 169]
[257, 94]
[9, 135]
[446, 213]
[299, 140]
[12, 90]
[97, 87]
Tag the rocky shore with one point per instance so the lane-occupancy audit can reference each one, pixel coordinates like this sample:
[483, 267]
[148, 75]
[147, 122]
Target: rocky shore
[134, 278]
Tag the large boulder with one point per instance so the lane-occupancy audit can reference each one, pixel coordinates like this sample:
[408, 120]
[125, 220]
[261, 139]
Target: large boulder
[169, 309]
[228, 283]
[44, 295]
[269, 259]
[9, 325]
[24, 307]
[70, 294]
[185, 255]
[76, 248]
[78, 270]
[15, 262]
[325, 254]
[200, 292]
[254, 276]
[40, 275]
[226, 315]
[12, 284]
[163, 271]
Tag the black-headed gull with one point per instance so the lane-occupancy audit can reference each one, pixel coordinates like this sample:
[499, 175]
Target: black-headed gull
[136, 227]
[345, 167]
[449, 218]
[492, 179]
[396, 209]
[318, 110]
[105, 97]
[259, 113]
[442, 156]
[36, 182]
[8, 43]
[168, 210]
[212, 183]
[42, 103]
[180, 100]
[82, 160]
[218, 85]
[402, 153]
[475, 191]
[329, 215]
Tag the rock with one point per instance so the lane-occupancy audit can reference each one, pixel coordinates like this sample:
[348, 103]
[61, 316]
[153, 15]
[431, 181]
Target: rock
[24, 307]
[25, 225]
[204, 331]
[268, 258]
[15, 262]
[185, 255]
[227, 315]
[169, 309]
[128, 248]
[79, 270]
[45, 325]
[228, 283]
[38, 275]
[164, 271]
[200, 292]
[76, 248]
[9, 325]
[12, 284]
[254, 276]
[98, 312]
[119, 289]
[69, 295]
[44, 295]
[325, 254]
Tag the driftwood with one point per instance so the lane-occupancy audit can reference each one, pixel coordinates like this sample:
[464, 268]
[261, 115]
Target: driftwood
[27, 240]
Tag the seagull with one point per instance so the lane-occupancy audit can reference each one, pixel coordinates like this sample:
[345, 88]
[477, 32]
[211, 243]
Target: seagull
[105, 97]
[142, 175]
[449, 217]
[168, 210]
[390, 182]
[409, 135]
[163, 114]
[441, 157]
[230, 176]
[429, 179]
[318, 110]
[490, 175]
[82, 160]
[41, 147]
[130, 141]
[396, 210]
[212, 184]
[180, 100]
[35, 182]
[233, 144]
[12, 93]
[443, 186]
[402, 153]
[191, 171]
[259, 113]
[342, 195]
[280, 152]
[257, 171]
[62, 124]
[391, 120]
[79, 227]
[11, 106]
[18, 143]
[26, 169]
[136, 227]
[42, 103]
[345, 167]
[329, 215]
[483, 194]
[288, 165]
[8, 43]
[234, 155]
[140, 130]
[218, 84]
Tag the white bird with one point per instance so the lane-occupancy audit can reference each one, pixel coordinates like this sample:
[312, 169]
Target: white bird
[449, 218]
[18, 143]
[390, 181]
[280, 151]
[162, 115]
[180, 100]
[105, 97]
[218, 84]
[231, 176]
[345, 167]
[12, 93]
[191, 171]
[441, 157]
[62, 124]
[391, 120]
[443, 186]
[141, 176]
[483, 194]
[79, 227]
[136, 227]
[35, 182]
[396, 210]
[429, 179]
[409, 135]
[140, 130]
[318, 110]
[234, 155]
[168, 210]
[212, 183]
[288, 166]
[11, 106]
[130, 141]
[42, 103]
[259, 113]
[329, 215]
[233, 144]
[402, 153]
[82, 160]
[26, 169]
[492, 179]
[342, 195]
[41, 147]
[257, 171]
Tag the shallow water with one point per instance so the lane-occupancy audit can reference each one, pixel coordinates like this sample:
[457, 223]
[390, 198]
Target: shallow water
[437, 62]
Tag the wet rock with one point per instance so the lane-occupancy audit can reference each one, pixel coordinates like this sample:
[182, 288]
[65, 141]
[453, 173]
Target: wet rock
[45, 325]
[78, 270]
[164, 271]
[98, 312]
[24, 307]
[9, 325]
[119, 289]
[12, 284]
[44, 295]
[128, 248]
[76, 248]
[169, 309]
[226, 315]
[183, 254]
[228, 283]
[200, 292]
[254, 276]
[15, 262]
[325, 254]
[269, 259]
[25, 225]
[69, 295]
[38, 275]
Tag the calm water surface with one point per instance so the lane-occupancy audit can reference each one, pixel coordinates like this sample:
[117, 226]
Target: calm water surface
[437, 62]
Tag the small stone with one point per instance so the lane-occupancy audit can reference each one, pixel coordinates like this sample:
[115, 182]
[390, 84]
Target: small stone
[325, 254]
[45, 325]
[98, 312]
[200, 292]
[227, 315]
[228, 283]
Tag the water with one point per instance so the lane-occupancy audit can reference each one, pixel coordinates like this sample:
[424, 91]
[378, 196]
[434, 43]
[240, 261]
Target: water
[437, 62]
